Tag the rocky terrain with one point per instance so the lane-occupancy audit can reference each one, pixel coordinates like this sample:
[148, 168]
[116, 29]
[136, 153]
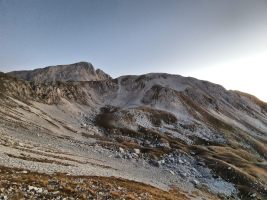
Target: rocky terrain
[72, 132]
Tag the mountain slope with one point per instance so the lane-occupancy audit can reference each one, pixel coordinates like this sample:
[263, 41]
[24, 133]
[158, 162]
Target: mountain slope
[160, 129]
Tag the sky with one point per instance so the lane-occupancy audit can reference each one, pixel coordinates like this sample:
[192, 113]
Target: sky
[222, 41]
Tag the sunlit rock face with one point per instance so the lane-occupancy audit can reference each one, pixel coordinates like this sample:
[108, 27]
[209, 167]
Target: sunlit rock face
[81, 71]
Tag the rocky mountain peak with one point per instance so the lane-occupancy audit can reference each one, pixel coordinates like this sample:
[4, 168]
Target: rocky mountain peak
[81, 71]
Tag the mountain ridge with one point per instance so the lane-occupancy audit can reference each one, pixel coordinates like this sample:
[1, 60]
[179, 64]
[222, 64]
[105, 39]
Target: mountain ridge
[156, 128]
[81, 71]
[25, 75]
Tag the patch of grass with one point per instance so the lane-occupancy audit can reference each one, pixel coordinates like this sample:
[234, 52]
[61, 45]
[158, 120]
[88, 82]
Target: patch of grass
[84, 187]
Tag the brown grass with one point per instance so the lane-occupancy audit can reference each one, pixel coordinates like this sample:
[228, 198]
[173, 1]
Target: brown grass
[83, 187]
[236, 166]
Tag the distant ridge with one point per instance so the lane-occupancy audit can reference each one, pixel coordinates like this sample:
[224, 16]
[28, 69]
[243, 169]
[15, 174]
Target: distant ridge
[81, 71]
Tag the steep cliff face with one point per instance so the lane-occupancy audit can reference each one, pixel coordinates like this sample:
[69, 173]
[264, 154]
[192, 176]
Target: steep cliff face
[205, 136]
[81, 71]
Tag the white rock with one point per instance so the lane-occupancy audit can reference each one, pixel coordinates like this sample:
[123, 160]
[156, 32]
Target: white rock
[21, 144]
[253, 195]
[137, 151]
[196, 182]
[36, 189]
[171, 172]
[135, 155]
[39, 190]
[180, 161]
[121, 150]
[161, 162]
[84, 125]
[30, 187]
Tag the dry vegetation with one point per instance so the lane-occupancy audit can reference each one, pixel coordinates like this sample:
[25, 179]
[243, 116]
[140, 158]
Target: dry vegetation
[58, 186]
[238, 167]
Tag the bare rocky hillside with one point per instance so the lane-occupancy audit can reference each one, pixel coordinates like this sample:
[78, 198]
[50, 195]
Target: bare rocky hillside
[155, 136]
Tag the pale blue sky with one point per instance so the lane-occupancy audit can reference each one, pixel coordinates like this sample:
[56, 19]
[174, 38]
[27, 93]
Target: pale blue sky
[208, 39]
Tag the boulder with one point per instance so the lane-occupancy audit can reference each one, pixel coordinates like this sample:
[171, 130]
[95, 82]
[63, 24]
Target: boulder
[137, 151]
[121, 150]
